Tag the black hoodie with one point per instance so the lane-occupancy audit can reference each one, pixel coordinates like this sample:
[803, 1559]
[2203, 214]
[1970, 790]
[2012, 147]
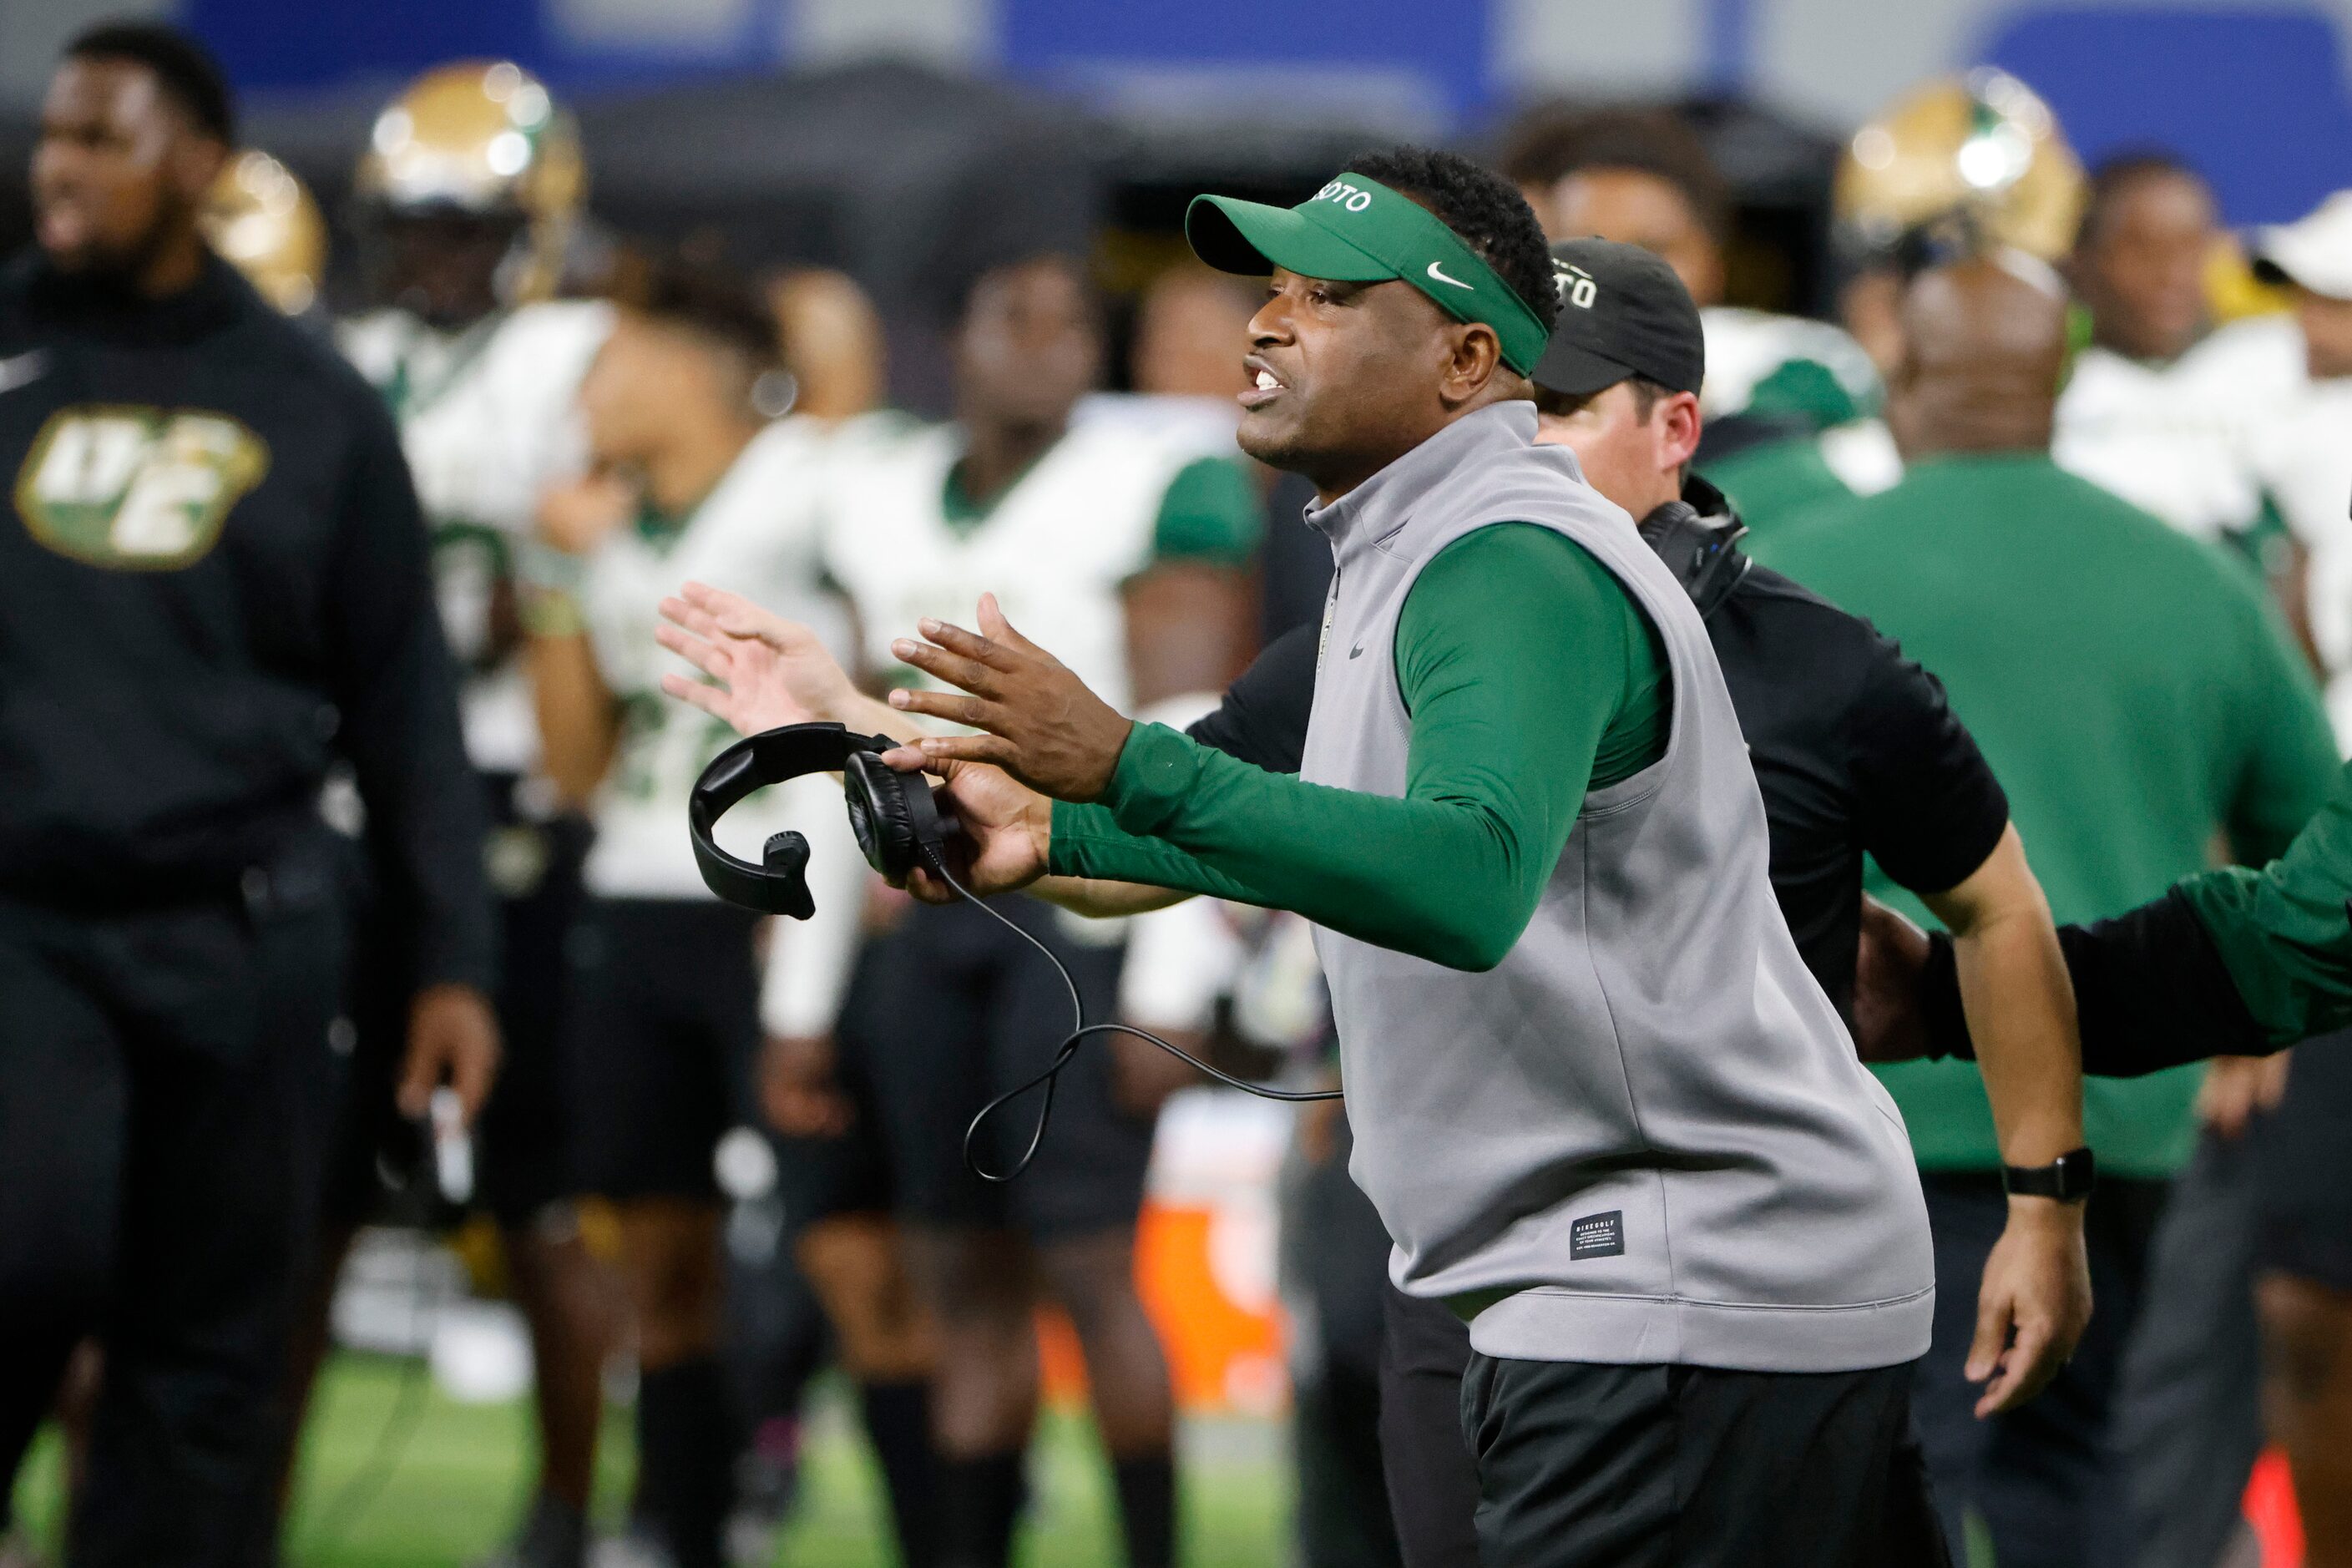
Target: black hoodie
[214, 579]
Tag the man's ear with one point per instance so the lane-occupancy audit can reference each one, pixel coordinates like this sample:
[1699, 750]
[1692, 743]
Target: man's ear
[1678, 428]
[1475, 360]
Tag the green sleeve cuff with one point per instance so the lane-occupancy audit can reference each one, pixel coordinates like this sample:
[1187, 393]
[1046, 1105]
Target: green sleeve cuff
[1075, 832]
[1156, 772]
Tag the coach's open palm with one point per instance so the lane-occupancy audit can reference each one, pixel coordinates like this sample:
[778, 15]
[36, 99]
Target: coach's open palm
[1043, 725]
[765, 671]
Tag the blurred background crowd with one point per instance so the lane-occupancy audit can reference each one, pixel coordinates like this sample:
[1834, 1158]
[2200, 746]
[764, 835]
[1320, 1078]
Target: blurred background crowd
[886, 212]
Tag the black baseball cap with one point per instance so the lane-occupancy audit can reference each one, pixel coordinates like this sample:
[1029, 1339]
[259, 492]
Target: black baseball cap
[1622, 312]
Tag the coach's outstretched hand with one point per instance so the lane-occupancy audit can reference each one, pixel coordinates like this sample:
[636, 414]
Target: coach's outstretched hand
[765, 671]
[1044, 726]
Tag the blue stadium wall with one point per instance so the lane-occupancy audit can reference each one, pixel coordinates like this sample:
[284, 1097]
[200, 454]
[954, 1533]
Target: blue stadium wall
[2253, 92]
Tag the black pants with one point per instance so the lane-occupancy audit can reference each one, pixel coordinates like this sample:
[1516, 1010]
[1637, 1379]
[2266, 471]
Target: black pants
[1333, 1276]
[2189, 1416]
[165, 1085]
[523, 1157]
[1583, 1466]
[2046, 1478]
[1433, 1480]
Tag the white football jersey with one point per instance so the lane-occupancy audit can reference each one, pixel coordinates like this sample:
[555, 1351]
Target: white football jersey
[1055, 548]
[488, 419]
[2305, 461]
[1203, 426]
[755, 534]
[2176, 438]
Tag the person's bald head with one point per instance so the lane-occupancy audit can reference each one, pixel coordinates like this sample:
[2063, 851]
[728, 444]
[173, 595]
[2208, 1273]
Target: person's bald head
[1984, 346]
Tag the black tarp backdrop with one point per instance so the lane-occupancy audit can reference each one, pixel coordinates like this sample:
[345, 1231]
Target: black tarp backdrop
[912, 179]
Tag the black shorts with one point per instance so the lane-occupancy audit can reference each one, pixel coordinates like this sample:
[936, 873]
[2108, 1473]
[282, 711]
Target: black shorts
[522, 1155]
[951, 1010]
[2303, 1168]
[665, 1042]
[818, 1178]
[1585, 1466]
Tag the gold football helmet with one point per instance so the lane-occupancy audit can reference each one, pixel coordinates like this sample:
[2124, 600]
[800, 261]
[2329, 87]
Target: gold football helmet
[1982, 148]
[481, 137]
[261, 218]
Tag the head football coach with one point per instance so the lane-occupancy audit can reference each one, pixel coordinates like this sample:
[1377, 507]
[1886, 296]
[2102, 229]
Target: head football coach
[1606, 1114]
[212, 580]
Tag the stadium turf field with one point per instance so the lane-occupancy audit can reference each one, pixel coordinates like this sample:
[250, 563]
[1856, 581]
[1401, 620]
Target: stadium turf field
[452, 1489]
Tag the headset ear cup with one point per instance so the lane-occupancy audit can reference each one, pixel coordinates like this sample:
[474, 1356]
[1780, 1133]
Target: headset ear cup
[879, 814]
[929, 828]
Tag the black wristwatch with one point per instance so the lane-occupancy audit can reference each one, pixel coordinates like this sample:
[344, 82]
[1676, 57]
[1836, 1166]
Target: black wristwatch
[2069, 1178]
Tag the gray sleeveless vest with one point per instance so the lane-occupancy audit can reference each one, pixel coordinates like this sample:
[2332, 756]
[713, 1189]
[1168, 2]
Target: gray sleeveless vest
[1643, 1137]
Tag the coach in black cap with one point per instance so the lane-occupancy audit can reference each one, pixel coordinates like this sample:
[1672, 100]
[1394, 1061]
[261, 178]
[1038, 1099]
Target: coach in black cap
[1623, 315]
[1856, 752]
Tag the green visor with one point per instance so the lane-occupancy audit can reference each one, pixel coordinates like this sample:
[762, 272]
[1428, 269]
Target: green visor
[1356, 230]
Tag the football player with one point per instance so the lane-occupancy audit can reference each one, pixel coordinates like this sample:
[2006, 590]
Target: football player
[1130, 544]
[1956, 163]
[690, 475]
[1791, 402]
[468, 188]
[2162, 406]
[2301, 457]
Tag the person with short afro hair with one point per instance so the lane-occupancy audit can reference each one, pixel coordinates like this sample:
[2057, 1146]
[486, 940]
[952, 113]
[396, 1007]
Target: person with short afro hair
[248, 561]
[1481, 207]
[1791, 402]
[1582, 1053]
[183, 68]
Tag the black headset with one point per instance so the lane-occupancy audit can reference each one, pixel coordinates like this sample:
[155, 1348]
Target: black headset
[899, 828]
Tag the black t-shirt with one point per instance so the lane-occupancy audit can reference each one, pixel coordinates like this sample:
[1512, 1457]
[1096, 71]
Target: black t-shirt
[215, 579]
[1855, 749]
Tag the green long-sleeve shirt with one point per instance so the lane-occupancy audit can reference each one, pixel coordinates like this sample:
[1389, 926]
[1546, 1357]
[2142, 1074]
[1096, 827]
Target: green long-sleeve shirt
[2283, 932]
[1531, 677]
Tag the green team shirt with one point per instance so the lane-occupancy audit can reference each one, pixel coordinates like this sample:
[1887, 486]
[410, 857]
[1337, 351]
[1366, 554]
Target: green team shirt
[2130, 687]
[1530, 675]
[2283, 932]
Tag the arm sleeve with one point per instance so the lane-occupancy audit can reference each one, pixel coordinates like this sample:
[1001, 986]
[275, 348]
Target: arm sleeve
[1515, 651]
[2232, 962]
[396, 689]
[1210, 512]
[1927, 805]
[2283, 933]
[2289, 751]
[2150, 993]
[1263, 719]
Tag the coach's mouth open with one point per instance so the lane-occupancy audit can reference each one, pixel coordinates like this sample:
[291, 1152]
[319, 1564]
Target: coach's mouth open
[1268, 385]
